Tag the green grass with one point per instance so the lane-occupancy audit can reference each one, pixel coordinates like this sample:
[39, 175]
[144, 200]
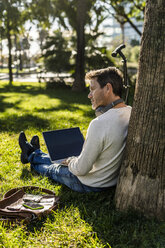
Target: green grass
[82, 220]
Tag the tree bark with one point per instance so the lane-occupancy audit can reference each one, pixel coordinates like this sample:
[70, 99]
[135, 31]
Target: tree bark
[10, 58]
[141, 183]
[9, 47]
[79, 83]
[1, 54]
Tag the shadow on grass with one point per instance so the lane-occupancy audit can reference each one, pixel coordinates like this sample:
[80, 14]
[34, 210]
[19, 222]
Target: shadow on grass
[26, 175]
[4, 105]
[94, 209]
[28, 89]
[119, 229]
[60, 107]
[68, 107]
[15, 123]
[68, 97]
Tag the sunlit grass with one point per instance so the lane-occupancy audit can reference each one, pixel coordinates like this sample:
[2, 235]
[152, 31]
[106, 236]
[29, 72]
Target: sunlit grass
[82, 220]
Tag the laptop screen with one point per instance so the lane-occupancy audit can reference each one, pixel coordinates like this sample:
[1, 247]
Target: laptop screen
[63, 143]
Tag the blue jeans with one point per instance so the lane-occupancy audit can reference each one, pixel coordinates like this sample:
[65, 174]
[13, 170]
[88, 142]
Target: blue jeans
[42, 164]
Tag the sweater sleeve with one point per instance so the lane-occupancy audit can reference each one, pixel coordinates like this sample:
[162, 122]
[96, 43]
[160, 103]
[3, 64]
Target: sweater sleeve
[92, 148]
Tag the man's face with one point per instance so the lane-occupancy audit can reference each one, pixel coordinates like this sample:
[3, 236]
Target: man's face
[97, 94]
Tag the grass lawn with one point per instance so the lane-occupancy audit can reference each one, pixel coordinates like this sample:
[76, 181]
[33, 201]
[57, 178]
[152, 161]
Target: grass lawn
[82, 220]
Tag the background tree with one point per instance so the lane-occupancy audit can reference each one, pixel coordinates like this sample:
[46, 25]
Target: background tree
[75, 12]
[77, 16]
[11, 22]
[2, 36]
[127, 11]
[96, 58]
[43, 33]
[81, 12]
[41, 12]
[141, 183]
[57, 53]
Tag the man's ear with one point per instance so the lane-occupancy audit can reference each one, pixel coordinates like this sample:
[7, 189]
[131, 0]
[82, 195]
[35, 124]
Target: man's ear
[109, 88]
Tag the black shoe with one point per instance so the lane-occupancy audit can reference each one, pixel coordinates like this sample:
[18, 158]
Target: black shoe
[26, 148]
[35, 142]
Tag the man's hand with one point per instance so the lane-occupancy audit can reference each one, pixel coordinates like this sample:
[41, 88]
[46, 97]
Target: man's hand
[65, 162]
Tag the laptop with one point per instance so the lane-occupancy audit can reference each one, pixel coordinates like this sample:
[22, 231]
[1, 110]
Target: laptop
[63, 143]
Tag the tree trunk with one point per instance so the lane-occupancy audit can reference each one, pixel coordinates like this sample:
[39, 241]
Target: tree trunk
[10, 59]
[141, 183]
[122, 32]
[9, 47]
[1, 56]
[79, 83]
[1, 51]
[16, 51]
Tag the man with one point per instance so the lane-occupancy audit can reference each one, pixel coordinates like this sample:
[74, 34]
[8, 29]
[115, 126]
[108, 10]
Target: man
[97, 167]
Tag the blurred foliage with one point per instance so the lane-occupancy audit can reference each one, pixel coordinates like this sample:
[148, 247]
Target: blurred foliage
[59, 54]
[131, 53]
[127, 11]
[96, 58]
[135, 54]
[56, 53]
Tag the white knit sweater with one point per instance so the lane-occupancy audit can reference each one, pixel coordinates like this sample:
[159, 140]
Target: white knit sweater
[99, 162]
